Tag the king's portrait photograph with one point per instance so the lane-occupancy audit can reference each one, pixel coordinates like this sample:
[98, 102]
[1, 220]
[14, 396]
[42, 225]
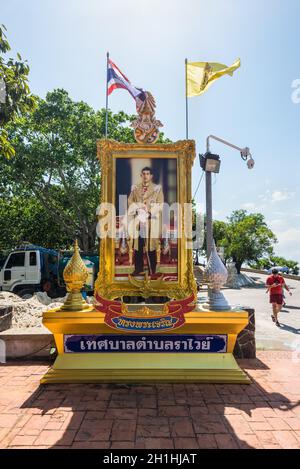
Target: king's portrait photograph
[145, 197]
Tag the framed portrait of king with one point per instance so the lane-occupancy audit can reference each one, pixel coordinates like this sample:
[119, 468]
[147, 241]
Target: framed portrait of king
[144, 220]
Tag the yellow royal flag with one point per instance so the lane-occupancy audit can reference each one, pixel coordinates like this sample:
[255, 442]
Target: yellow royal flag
[200, 75]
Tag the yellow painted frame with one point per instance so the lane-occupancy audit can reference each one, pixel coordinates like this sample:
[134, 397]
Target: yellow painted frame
[107, 152]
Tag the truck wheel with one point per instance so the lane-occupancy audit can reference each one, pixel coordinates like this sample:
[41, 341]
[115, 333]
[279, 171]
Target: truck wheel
[25, 294]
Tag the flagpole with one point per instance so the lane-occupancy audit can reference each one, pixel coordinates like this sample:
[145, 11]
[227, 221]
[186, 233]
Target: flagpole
[186, 104]
[106, 107]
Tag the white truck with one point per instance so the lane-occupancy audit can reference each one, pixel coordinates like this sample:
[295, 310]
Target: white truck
[30, 268]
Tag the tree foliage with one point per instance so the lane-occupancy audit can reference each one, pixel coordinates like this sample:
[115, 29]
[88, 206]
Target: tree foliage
[23, 218]
[15, 96]
[54, 178]
[245, 237]
[272, 261]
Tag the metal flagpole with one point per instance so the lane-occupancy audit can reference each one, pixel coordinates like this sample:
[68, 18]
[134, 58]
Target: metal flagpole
[186, 104]
[106, 115]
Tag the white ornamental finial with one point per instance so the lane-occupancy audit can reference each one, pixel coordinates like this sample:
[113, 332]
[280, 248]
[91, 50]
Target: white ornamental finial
[217, 274]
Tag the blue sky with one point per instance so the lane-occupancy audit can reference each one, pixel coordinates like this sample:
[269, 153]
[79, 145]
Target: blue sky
[65, 42]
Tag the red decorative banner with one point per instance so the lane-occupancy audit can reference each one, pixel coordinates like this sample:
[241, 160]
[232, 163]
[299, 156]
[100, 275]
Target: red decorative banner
[117, 317]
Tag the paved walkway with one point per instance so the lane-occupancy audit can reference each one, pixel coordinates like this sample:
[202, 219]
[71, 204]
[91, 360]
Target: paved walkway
[265, 414]
[268, 336]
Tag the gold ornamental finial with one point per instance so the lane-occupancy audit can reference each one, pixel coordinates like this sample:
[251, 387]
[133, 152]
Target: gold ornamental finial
[75, 275]
[146, 126]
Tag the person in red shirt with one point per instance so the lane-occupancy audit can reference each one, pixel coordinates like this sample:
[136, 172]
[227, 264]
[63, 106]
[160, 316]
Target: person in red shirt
[275, 284]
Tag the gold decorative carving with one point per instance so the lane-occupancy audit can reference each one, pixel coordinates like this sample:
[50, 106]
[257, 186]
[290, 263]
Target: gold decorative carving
[146, 125]
[75, 275]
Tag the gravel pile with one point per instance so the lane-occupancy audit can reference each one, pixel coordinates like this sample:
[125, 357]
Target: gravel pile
[28, 313]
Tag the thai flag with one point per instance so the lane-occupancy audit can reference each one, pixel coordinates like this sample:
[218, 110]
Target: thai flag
[116, 79]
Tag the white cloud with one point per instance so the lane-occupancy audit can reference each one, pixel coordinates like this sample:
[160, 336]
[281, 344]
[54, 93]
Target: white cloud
[276, 196]
[265, 197]
[277, 224]
[249, 206]
[289, 243]
[279, 196]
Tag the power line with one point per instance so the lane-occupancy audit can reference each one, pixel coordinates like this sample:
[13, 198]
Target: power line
[198, 184]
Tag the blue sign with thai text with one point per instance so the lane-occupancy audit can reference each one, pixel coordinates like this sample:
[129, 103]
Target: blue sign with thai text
[106, 343]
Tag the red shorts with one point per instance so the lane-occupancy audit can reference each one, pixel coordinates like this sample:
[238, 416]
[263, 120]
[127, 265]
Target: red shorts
[276, 298]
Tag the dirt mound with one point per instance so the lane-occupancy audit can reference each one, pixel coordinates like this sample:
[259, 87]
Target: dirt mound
[28, 313]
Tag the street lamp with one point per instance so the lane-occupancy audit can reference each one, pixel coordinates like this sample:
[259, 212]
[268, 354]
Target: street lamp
[210, 163]
[216, 271]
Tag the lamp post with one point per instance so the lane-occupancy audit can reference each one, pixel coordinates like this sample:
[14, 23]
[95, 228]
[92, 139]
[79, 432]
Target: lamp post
[216, 271]
[211, 163]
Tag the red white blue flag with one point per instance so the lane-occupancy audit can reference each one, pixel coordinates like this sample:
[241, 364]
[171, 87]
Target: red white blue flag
[117, 79]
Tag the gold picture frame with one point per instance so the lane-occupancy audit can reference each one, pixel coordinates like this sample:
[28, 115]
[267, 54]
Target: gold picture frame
[106, 285]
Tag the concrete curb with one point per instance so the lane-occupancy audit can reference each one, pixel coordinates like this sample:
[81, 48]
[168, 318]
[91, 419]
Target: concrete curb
[262, 272]
[31, 344]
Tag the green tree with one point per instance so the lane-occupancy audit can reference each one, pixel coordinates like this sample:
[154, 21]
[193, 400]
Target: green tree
[23, 218]
[15, 96]
[245, 237]
[220, 229]
[281, 261]
[272, 261]
[262, 264]
[219, 232]
[56, 167]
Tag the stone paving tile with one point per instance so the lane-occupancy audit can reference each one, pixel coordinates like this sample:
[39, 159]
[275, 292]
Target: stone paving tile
[210, 424]
[294, 423]
[93, 415]
[122, 445]
[121, 414]
[147, 412]
[186, 443]
[91, 445]
[207, 442]
[181, 427]
[173, 411]
[297, 435]
[225, 441]
[6, 441]
[154, 443]
[94, 430]
[287, 439]
[267, 440]
[249, 442]
[23, 440]
[8, 420]
[123, 430]
[265, 414]
[150, 420]
[152, 431]
[72, 420]
[237, 424]
[278, 424]
[55, 437]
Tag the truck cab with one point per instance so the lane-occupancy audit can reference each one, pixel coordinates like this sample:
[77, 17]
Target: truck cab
[28, 269]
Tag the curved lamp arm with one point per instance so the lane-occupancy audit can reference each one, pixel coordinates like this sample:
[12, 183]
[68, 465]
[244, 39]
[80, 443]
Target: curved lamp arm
[244, 152]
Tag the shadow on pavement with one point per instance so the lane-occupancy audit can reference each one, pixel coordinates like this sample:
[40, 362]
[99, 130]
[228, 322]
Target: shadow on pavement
[285, 327]
[161, 416]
